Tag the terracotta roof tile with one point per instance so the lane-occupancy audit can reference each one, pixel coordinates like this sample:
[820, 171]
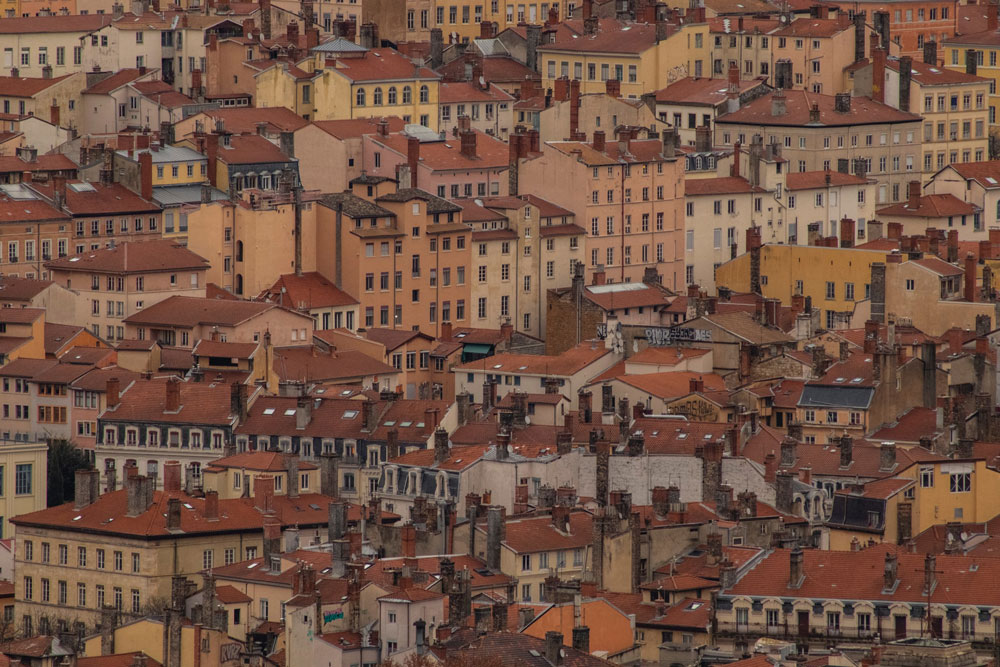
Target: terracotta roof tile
[355, 127]
[311, 365]
[150, 256]
[55, 23]
[244, 121]
[117, 80]
[608, 38]
[691, 90]
[467, 91]
[719, 186]
[383, 64]
[813, 27]
[190, 311]
[539, 534]
[496, 69]
[864, 111]
[569, 362]
[200, 403]
[251, 149]
[26, 86]
[310, 290]
[930, 206]
[491, 153]
[807, 180]
[98, 199]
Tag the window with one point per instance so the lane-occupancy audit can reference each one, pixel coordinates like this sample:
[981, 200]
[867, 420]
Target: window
[833, 621]
[772, 618]
[960, 482]
[526, 563]
[118, 561]
[742, 615]
[22, 479]
[135, 562]
[100, 559]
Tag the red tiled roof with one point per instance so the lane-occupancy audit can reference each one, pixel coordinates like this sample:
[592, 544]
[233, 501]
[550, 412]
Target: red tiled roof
[674, 384]
[200, 403]
[393, 338]
[695, 91]
[264, 461]
[355, 127]
[798, 103]
[116, 80]
[569, 362]
[932, 75]
[631, 295]
[808, 180]
[26, 86]
[539, 534]
[99, 199]
[938, 266]
[459, 457]
[496, 69]
[218, 348]
[987, 174]
[229, 595]
[310, 365]
[491, 153]
[383, 64]
[612, 36]
[467, 91]
[812, 27]
[930, 206]
[151, 256]
[310, 290]
[719, 186]
[666, 355]
[251, 149]
[957, 582]
[910, 427]
[190, 311]
[31, 210]
[244, 121]
[56, 162]
[56, 23]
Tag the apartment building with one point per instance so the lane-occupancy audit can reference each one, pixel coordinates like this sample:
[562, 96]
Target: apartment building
[628, 195]
[819, 132]
[351, 84]
[406, 257]
[490, 109]
[23, 481]
[67, 575]
[743, 42]
[976, 183]
[692, 103]
[816, 51]
[471, 164]
[464, 19]
[511, 277]
[184, 320]
[57, 42]
[983, 49]
[592, 51]
[101, 214]
[342, 141]
[329, 306]
[913, 23]
[122, 280]
[55, 99]
[22, 254]
[818, 201]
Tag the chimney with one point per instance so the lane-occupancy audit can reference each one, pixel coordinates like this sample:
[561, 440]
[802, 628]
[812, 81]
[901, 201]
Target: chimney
[441, 450]
[413, 158]
[113, 392]
[599, 141]
[211, 505]
[263, 493]
[971, 61]
[87, 488]
[859, 36]
[887, 456]
[495, 533]
[788, 453]
[553, 647]
[842, 103]
[173, 514]
[613, 88]
[172, 476]
[846, 451]
[796, 573]
[778, 103]
[146, 175]
[930, 52]
[889, 577]
[970, 277]
[878, 74]
[991, 16]
[292, 472]
[905, 77]
[138, 495]
[703, 139]
[337, 521]
[469, 144]
[173, 403]
[581, 638]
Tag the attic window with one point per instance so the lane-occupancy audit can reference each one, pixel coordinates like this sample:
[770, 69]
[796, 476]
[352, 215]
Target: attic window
[289, 412]
[346, 392]
[839, 380]
[350, 414]
[268, 411]
[856, 380]
[252, 566]
[420, 424]
[389, 423]
[77, 518]
[523, 368]
[406, 424]
[680, 436]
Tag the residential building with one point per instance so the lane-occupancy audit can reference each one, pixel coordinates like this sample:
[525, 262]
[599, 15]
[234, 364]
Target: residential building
[490, 109]
[632, 206]
[591, 50]
[815, 51]
[567, 112]
[745, 42]
[24, 480]
[23, 257]
[571, 370]
[60, 42]
[318, 142]
[101, 214]
[329, 306]
[938, 211]
[820, 200]
[63, 570]
[473, 164]
[185, 320]
[56, 99]
[352, 84]
[819, 132]
[111, 104]
[975, 183]
[691, 103]
[982, 47]
[121, 281]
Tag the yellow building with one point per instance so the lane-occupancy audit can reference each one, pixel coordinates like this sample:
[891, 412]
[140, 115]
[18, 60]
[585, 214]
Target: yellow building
[235, 476]
[954, 107]
[641, 56]
[23, 480]
[356, 84]
[171, 165]
[198, 645]
[121, 549]
[835, 278]
[986, 47]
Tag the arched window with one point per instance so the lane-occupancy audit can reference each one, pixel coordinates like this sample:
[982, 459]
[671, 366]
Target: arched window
[361, 97]
[377, 96]
[239, 251]
[392, 94]
[425, 94]
[408, 99]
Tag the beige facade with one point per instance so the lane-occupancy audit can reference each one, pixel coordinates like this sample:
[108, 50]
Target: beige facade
[632, 211]
[23, 480]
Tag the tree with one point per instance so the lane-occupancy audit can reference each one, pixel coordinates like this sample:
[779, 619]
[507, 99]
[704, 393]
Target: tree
[64, 459]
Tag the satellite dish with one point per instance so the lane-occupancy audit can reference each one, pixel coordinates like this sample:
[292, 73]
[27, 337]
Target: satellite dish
[527, 420]
[482, 81]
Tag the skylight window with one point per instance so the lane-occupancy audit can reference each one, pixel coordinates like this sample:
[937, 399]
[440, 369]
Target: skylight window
[350, 414]
[289, 412]
[268, 411]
